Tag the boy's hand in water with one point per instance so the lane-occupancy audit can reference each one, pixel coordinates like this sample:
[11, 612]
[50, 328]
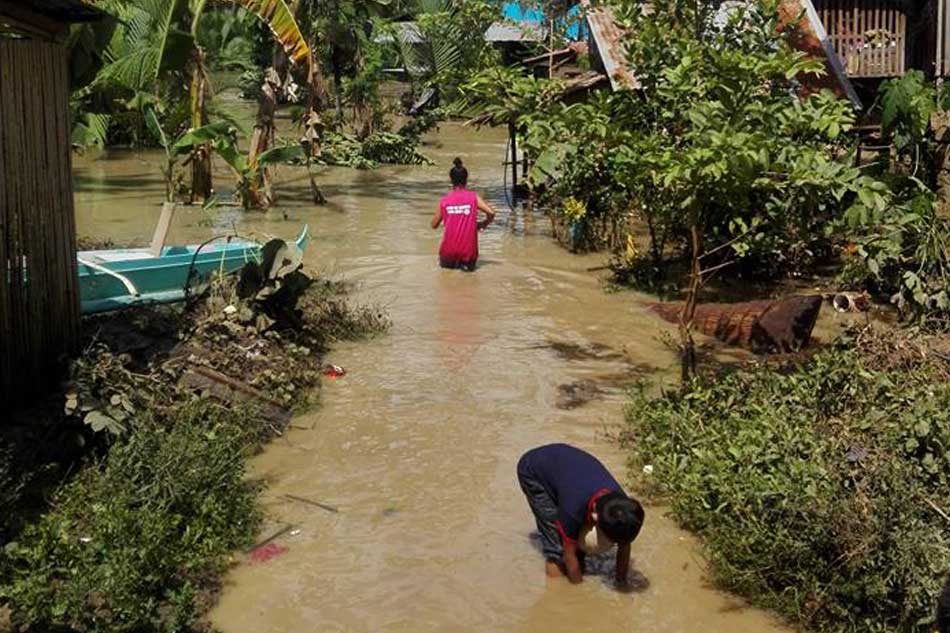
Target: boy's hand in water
[572, 566]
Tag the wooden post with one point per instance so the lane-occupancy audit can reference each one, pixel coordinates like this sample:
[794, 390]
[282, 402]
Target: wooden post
[513, 136]
[161, 229]
[940, 69]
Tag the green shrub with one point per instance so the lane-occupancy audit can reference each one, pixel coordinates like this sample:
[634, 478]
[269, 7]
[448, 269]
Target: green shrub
[819, 489]
[135, 543]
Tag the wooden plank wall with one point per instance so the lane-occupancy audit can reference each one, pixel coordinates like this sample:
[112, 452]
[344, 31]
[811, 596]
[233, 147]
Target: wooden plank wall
[39, 300]
[870, 36]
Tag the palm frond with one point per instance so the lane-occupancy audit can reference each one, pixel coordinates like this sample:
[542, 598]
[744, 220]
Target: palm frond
[91, 129]
[151, 43]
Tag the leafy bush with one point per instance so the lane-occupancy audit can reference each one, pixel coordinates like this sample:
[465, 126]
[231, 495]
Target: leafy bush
[904, 253]
[11, 484]
[380, 147]
[250, 82]
[817, 488]
[136, 544]
[900, 241]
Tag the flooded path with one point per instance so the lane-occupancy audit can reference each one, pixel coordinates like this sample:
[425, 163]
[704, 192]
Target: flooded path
[417, 445]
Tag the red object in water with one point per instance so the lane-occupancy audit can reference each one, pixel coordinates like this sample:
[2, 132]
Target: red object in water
[334, 371]
[266, 552]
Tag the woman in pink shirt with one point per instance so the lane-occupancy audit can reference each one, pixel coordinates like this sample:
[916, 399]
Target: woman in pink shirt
[459, 210]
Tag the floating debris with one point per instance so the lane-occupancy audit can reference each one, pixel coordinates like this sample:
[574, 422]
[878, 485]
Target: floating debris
[334, 371]
[311, 502]
[768, 326]
[851, 302]
[266, 552]
[576, 394]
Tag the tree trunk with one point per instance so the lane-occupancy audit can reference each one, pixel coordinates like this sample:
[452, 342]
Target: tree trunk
[313, 124]
[337, 85]
[687, 344]
[201, 185]
[259, 190]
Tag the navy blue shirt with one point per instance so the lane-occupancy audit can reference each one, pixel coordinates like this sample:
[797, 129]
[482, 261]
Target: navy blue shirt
[573, 478]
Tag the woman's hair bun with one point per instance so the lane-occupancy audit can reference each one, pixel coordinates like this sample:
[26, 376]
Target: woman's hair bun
[457, 162]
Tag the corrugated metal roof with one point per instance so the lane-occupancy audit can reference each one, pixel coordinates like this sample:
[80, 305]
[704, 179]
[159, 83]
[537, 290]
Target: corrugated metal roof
[608, 39]
[813, 39]
[515, 32]
[407, 32]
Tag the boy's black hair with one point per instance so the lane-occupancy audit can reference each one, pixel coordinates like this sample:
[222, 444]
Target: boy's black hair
[458, 174]
[943, 609]
[619, 516]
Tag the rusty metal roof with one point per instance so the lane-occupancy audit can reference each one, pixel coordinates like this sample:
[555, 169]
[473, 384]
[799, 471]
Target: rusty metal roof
[811, 38]
[608, 38]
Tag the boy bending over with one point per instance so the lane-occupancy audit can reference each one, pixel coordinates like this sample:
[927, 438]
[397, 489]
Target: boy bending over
[580, 509]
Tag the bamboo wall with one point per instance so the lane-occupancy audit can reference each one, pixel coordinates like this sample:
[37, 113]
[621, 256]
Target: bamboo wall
[39, 302]
[943, 38]
[870, 36]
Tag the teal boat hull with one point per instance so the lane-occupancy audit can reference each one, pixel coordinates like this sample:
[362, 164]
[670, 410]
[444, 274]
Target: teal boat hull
[121, 278]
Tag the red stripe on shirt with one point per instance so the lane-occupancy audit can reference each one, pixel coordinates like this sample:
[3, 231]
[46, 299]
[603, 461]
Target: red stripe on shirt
[565, 539]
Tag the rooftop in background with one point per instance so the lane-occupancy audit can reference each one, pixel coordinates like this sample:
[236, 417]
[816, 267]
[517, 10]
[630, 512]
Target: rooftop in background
[531, 25]
[516, 32]
[46, 19]
[60, 10]
[407, 32]
[607, 36]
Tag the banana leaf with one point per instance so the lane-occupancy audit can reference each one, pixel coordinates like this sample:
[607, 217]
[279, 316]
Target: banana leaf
[201, 135]
[278, 16]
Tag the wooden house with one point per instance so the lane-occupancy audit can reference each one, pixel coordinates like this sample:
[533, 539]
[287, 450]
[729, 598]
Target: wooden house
[879, 39]
[39, 301]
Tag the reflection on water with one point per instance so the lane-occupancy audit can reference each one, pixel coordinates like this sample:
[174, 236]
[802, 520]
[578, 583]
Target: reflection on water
[417, 445]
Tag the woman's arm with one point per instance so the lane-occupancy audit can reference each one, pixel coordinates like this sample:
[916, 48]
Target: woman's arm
[485, 208]
[437, 218]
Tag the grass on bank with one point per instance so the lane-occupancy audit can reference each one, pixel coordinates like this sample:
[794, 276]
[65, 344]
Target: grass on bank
[820, 489]
[136, 537]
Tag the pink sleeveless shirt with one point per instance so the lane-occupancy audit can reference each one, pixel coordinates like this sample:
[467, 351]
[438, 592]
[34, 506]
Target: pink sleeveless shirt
[459, 210]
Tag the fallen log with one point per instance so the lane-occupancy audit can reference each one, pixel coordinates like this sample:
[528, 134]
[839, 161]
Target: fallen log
[765, 326]
[226, 389]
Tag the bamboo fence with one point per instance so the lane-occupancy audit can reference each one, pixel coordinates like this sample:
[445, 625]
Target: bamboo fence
[870, 36]
[39, 302]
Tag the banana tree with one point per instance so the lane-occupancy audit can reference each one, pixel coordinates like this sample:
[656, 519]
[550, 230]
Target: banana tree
[280, 19]
[158, 40]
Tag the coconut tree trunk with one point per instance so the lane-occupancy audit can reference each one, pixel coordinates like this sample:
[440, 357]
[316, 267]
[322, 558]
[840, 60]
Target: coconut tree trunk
[201, 186]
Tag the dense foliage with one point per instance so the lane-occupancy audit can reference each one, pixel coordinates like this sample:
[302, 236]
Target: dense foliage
[723, 138]
[819, 490]
[902, 243]
[138, 543]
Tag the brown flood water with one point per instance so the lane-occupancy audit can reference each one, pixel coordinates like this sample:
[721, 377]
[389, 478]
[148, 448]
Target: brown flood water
[417, 445]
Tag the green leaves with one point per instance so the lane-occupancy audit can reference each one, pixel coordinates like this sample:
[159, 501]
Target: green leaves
[788, 475]
[100, 421]
[280, 20]
[202, 135]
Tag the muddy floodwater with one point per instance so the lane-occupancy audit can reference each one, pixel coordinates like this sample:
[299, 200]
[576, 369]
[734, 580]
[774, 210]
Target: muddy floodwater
[416, 446]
